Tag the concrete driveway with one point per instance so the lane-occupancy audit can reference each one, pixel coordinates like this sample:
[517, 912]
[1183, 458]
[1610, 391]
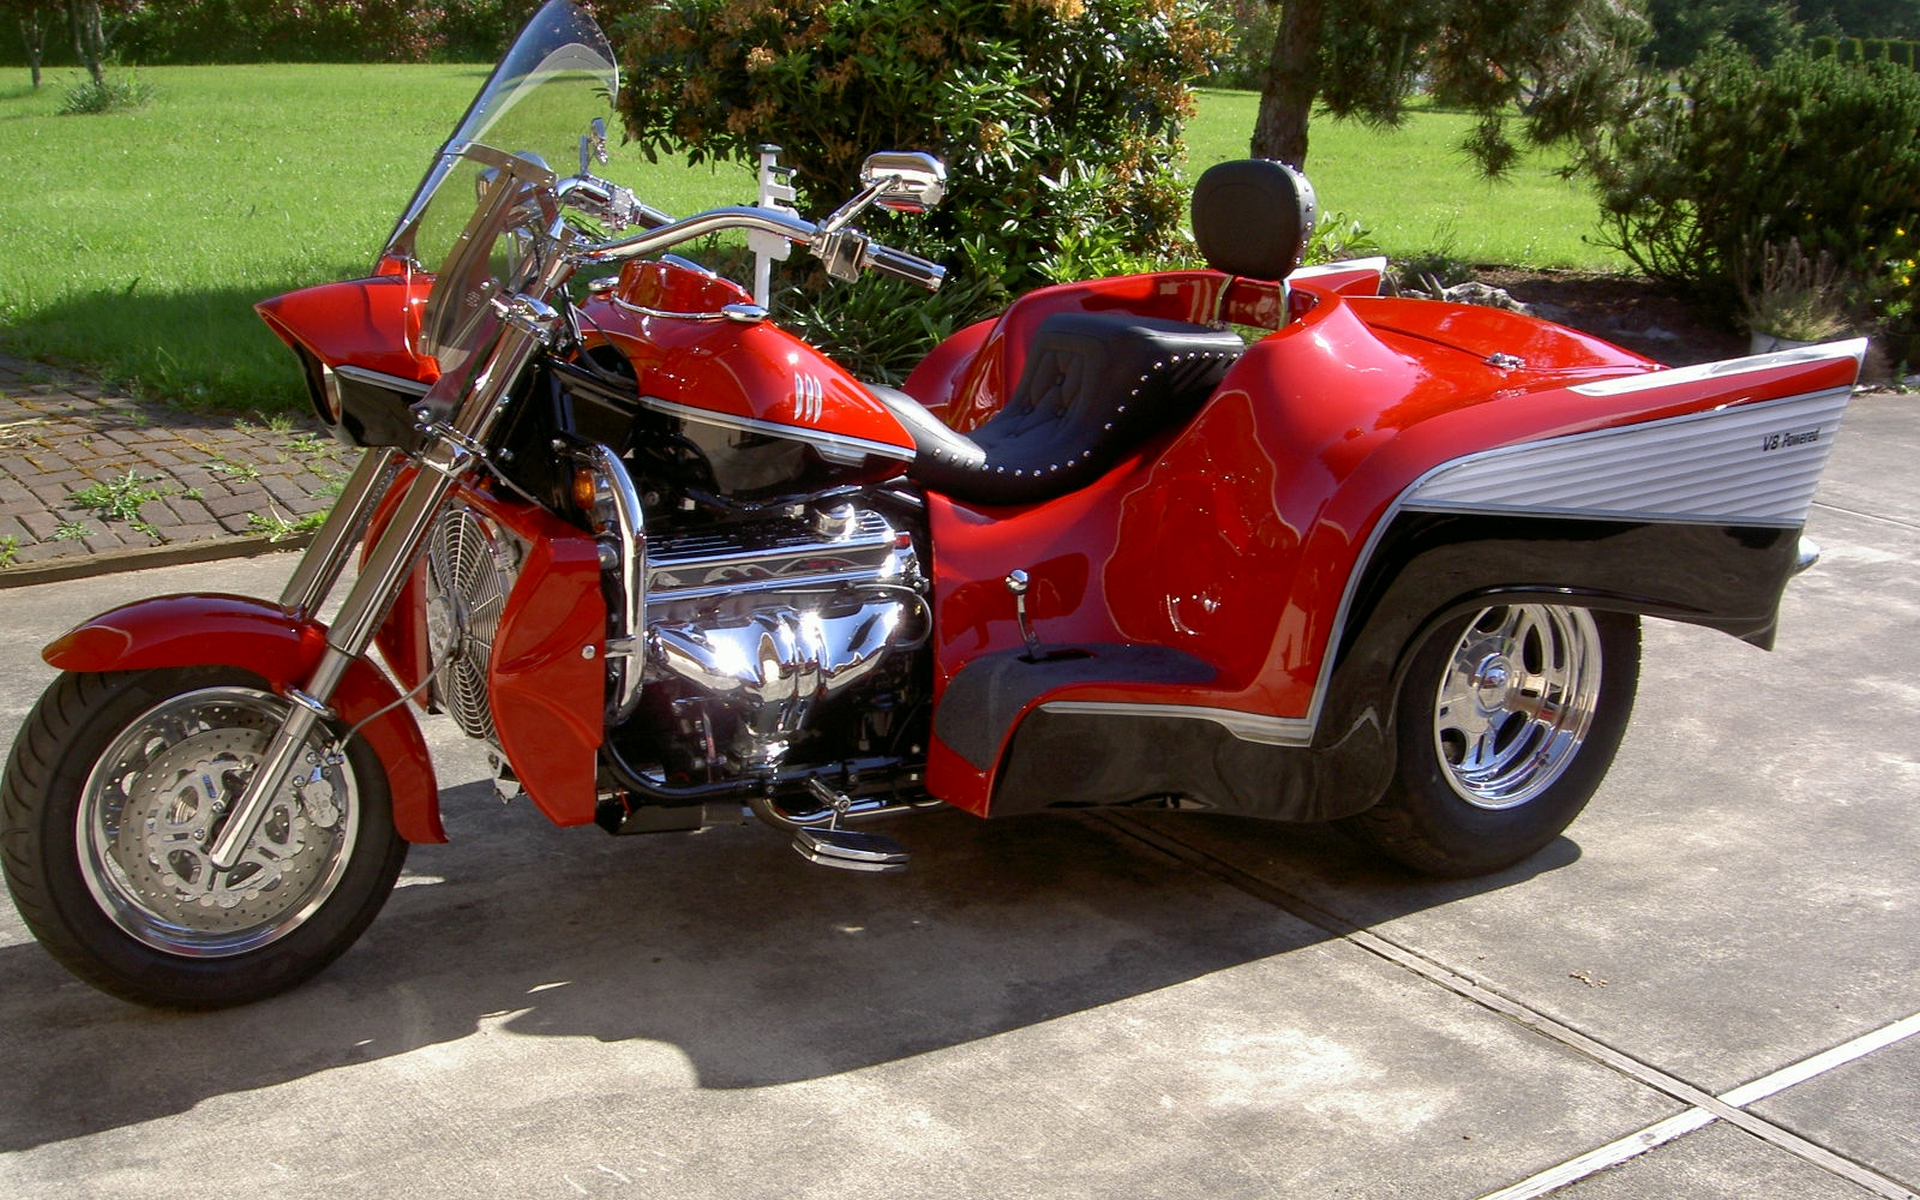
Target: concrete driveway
[1094, 1005]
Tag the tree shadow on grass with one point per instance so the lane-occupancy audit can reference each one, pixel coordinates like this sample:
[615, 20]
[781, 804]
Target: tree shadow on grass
[204, 351]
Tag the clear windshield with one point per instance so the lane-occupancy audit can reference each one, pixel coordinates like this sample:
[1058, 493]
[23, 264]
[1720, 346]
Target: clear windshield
[556, 78]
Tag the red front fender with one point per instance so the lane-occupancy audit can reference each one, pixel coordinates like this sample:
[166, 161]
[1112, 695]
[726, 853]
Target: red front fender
[258, 636]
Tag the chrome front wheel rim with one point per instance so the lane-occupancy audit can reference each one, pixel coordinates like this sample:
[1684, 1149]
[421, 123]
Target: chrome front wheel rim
[154, 803]
[1515, 702]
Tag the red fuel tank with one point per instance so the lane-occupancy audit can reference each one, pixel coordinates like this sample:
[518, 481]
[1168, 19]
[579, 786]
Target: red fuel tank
[772, 414]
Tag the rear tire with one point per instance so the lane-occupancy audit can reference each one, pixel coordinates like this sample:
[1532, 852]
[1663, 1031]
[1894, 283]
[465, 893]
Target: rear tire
[1505, 725]
[115, 787]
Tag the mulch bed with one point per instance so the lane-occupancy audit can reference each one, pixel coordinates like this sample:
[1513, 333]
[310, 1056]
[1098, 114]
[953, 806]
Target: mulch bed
[1635, 313]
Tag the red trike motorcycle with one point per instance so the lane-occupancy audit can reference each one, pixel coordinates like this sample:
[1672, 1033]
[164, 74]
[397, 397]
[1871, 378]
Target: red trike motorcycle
[1383, 562]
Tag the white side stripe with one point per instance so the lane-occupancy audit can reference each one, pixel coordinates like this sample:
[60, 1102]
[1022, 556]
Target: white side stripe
[1854, 348]
[1661, 1132]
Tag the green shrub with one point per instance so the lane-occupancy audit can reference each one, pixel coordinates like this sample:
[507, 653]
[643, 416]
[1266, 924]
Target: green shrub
[220, 31]
[1738, 159]
[115, 93]
[1059, 120]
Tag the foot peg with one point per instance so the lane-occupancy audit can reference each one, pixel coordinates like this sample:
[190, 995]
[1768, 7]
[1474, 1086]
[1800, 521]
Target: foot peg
[851, 850]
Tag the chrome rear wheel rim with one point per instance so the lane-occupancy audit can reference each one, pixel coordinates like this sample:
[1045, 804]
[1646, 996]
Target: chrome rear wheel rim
[1516, 701]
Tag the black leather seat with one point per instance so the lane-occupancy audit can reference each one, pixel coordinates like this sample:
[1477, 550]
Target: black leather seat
[1098, 385]
[1095, 386]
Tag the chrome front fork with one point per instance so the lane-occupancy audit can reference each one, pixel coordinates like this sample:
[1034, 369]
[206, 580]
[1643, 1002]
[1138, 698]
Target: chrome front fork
[326, 556]
[451, 453]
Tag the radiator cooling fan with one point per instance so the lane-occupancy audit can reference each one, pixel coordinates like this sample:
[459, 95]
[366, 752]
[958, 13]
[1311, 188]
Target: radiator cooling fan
[468, 578]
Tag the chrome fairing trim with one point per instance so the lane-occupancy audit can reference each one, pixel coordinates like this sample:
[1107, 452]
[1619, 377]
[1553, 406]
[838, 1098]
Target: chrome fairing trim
[1376, 263]
[1248, 727]
[1806, 556]
[393, 383]
[835, 447]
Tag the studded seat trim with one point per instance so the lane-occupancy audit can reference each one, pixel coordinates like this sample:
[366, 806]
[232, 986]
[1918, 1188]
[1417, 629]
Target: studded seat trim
[1094, 387]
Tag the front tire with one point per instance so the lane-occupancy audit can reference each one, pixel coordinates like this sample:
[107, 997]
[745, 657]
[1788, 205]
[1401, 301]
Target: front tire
[1505, 725]
[116, 786]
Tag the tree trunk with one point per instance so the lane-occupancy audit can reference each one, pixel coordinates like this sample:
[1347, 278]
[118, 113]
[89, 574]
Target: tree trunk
[89, 38]
[33, 36]
[1292, 84]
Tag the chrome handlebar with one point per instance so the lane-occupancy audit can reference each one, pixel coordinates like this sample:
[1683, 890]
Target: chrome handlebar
[846, 252]
[609, 202]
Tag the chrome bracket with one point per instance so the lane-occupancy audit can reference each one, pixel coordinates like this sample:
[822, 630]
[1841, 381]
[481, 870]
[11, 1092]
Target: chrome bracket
[448, 452]
[308, 702]
[1019, 584]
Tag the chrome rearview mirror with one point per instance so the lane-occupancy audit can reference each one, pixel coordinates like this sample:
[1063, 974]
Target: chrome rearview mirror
[908, 181]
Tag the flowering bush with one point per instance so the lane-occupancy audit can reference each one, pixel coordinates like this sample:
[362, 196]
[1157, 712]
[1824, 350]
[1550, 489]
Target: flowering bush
[1893, 285]
[1059, 120]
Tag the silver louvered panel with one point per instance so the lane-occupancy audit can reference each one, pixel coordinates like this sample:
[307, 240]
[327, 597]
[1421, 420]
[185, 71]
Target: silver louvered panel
[1754, 465]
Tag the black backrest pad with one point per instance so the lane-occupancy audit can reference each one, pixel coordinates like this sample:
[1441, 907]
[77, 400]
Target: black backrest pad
[1094, 387]
[1253, 217]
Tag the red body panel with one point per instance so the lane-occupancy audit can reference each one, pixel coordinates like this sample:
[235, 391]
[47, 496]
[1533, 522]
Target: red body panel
[938, 377]
[1234, 539]
[545, 677]
[666, 320]
[366, 322]
[988, 380]
[254, 635]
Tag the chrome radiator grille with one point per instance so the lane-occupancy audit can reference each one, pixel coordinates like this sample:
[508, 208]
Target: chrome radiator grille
[469, 575]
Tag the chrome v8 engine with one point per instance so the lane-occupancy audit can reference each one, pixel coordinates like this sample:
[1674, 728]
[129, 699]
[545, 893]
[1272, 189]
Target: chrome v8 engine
[772, 618]
[759, 619]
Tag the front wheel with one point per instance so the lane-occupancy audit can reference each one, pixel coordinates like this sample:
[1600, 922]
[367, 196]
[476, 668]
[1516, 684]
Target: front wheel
[1505, 725]
[116, 787]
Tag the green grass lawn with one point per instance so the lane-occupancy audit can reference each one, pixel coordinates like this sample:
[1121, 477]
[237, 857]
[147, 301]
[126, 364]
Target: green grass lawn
[135, 243]
[1415, 191]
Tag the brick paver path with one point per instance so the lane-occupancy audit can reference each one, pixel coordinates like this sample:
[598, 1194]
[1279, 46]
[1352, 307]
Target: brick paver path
[158, 476]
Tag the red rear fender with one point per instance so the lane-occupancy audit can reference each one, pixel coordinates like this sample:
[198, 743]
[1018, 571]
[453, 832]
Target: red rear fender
[258, 636]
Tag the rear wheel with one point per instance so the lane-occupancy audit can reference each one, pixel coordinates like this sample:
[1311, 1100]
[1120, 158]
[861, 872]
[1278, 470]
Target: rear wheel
[1505, 726]
[117, 786]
